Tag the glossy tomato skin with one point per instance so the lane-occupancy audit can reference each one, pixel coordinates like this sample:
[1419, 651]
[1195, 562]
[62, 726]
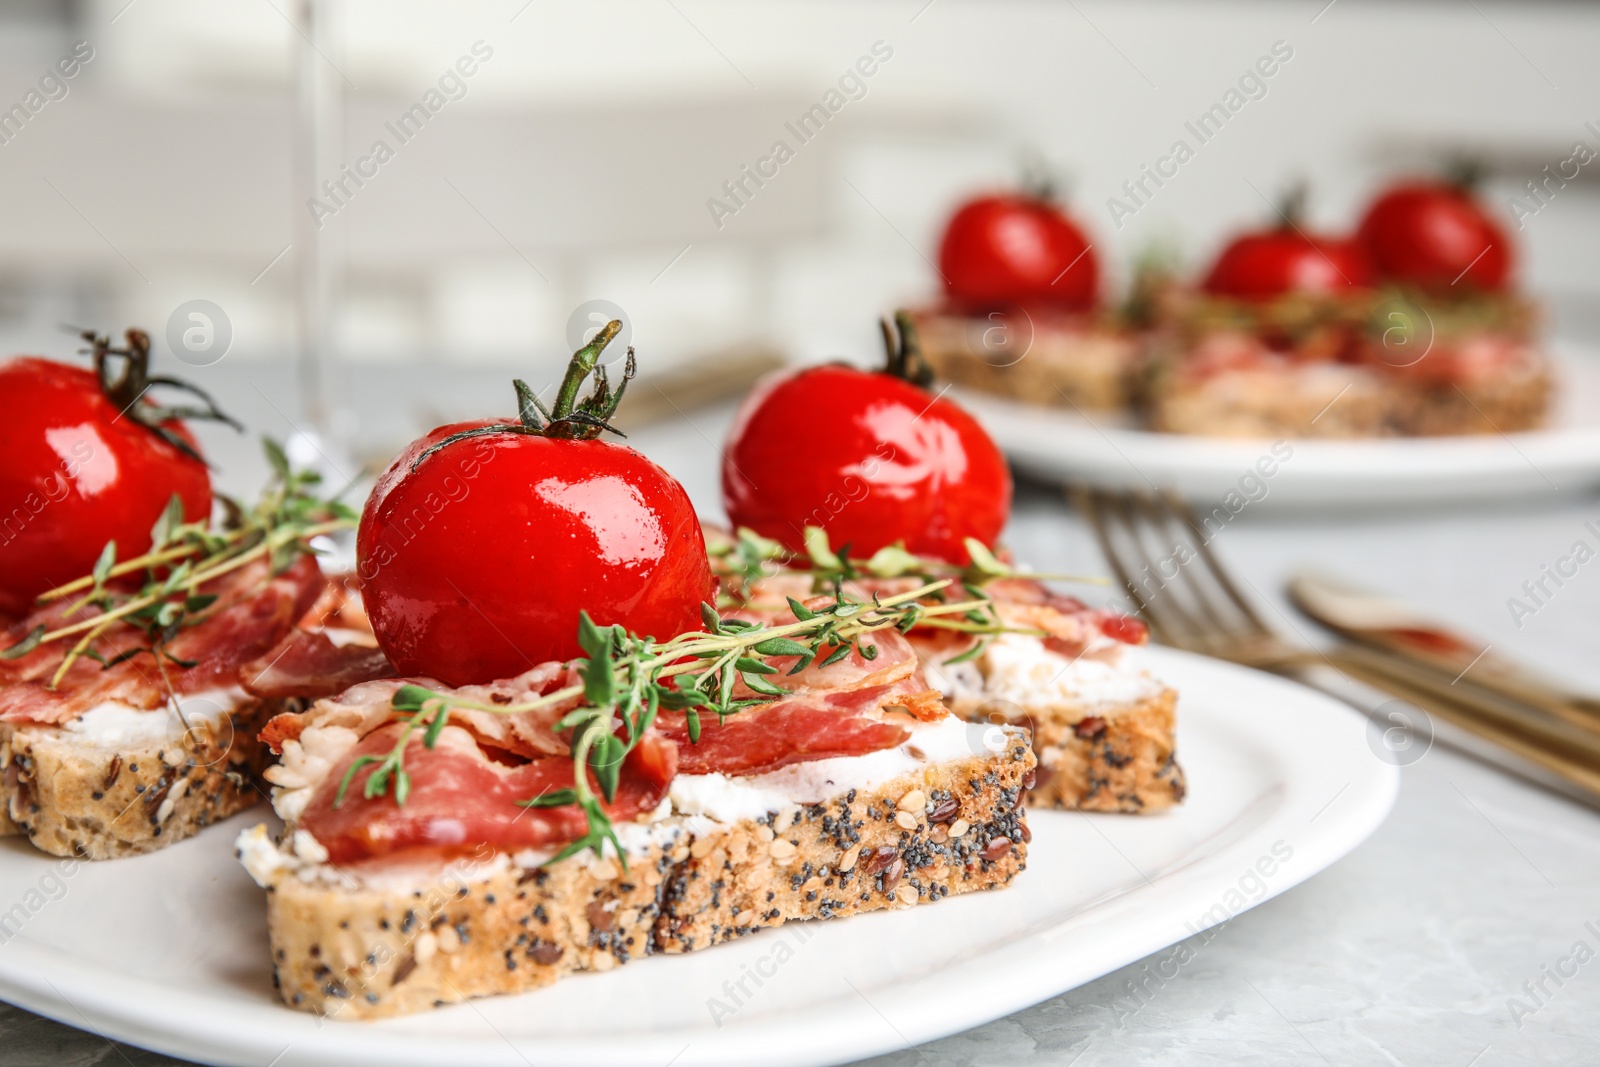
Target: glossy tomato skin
[868, 457]
[1436, 235]
[74, 474]
[1272, 263]
[1006, 250]
[474, 567]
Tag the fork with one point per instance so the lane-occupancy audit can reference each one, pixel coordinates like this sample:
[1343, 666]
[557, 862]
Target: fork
[1161, 555]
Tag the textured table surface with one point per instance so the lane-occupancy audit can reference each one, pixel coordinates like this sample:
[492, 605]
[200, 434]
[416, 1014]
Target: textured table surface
[1435, 942]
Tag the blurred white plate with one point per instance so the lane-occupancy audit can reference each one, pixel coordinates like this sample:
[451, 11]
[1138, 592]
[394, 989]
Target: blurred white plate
[169, 951]
[1060, 444]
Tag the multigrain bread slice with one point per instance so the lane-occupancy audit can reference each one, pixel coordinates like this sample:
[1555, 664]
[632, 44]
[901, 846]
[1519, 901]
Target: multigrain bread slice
[955, 827]
[386, 938]
[113, 785]
[1103, 729]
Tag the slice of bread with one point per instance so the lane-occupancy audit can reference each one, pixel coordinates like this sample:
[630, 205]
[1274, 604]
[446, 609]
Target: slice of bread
[1037, 359]
[119, 781]
[376, 940]
[1103, 729]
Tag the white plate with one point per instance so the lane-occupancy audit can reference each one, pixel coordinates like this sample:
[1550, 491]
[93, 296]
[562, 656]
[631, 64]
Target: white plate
[169, 951]
[1061, 444]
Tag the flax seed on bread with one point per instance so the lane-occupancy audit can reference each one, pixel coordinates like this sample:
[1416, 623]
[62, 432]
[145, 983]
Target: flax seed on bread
[71, 796]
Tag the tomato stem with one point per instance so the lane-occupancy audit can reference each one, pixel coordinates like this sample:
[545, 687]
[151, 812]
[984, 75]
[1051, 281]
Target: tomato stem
[568, 418]
[126, 384]
[582, 364]
[903, 356]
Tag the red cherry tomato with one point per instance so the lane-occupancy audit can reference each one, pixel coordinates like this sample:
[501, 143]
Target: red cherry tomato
[1271, 263]
[76, 473]
[868, 457]
[474, 566]
[1005, 250]
[1436, 235]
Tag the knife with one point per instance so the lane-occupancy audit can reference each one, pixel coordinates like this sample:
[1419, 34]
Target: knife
[1466, 665]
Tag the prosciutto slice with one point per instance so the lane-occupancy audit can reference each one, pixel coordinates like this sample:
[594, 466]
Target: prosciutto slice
[799, 728]
[310, 664]
[252, 613]
[460, 798]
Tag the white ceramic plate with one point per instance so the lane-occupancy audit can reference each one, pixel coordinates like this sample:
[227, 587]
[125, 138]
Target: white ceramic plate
[169, 951]
[1061, 444]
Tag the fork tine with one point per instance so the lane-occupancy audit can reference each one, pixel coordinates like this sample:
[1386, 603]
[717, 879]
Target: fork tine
[1157, 511]
[1181, 507]
[1183, 627]
[1085, 500]
[1110, 513]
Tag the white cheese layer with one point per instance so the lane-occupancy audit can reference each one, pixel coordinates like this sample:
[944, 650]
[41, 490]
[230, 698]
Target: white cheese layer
[117, 725]
[729, 799]
[1017, 675]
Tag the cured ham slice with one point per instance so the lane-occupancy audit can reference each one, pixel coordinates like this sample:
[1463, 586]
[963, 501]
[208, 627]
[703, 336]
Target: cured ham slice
[528, 734]
[792, 730]
[253, 612]
[460, 799]
[795, 729]
[312, 665]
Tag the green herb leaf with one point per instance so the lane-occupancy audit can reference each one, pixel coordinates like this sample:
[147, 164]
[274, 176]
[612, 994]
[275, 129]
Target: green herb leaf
[103, 565]
[892, 561]
[984, 561]
[344, 783]
[277, 458]
[436, 727]
[412, 697]
[801, 612]
[556, 798]
[971, 653]
[599, 688]
[759, 684]
[709, 616]
[691, 718]
[836, 655]
[780, 646]
[606, 759]
[822, 557]
[26, 645]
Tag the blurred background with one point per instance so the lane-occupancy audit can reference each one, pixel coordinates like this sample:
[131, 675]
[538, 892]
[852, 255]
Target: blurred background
[584, 156]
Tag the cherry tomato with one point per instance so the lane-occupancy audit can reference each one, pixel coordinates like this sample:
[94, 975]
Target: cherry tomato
[1017, 250]
[474, 566]
[77, 473]
[1271, 263]
[1436, 235]
[870, 458]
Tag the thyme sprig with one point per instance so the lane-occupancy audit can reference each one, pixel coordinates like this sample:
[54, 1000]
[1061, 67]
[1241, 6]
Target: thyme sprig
[183, 556]
[748, 557]
[624, 685]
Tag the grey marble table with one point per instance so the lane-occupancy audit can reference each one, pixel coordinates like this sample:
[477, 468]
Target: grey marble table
[1438, 941]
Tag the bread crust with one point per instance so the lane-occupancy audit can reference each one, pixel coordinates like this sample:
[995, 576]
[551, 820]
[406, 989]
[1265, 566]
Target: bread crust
[348, 949]
[73, 798]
